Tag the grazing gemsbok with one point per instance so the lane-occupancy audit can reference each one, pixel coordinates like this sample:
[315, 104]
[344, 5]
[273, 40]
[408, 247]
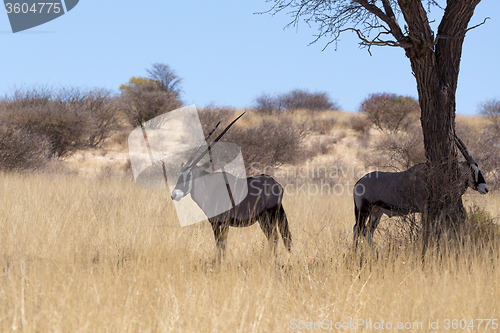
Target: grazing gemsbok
[262, 203]
[402, 193]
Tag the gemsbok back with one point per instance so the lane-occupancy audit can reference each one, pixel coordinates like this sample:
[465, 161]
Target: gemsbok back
[402, 193]
[263, 202]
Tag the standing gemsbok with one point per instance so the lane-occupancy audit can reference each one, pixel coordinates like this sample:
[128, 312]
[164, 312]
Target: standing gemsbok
[262, 203]
[402, 193]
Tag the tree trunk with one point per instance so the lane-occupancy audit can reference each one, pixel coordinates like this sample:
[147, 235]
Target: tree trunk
[444, 208]
[435, 63]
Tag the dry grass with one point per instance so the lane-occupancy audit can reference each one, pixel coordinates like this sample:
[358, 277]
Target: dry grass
[96, 255]
[478, 123]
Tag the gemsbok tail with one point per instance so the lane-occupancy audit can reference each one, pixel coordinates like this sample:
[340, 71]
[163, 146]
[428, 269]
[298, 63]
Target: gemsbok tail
[362, 214]
[284, 229]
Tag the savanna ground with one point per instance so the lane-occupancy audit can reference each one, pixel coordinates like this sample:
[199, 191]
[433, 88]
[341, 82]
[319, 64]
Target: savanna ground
[89, 251]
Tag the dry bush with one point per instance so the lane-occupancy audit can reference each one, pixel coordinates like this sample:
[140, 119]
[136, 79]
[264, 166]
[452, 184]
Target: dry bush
[401, 146]
[142, 103]
[389, 112]
[323, 145]
[401, 230]
[486, 145]
[485, 149]
[40, 123]
[266, 103]
[491, 110]
[267, 143]
[297, 99]
[321, 126]
[479, 230]
[303, 100]
[399, 151]
[211, 115]
[480, 226]
[360, 125]
[25, 97]
[21, 149]
[102, 107]
[67, 128]
[272, 142]
[119, 139]
[67, 118]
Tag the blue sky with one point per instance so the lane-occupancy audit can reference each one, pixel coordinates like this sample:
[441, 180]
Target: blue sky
[226, 54]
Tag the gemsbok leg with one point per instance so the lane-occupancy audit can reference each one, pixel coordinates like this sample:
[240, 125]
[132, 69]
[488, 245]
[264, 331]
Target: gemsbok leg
[220, 234]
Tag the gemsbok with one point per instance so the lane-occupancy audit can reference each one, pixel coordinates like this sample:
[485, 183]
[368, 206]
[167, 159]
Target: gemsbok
[262, 203]
[402, 193]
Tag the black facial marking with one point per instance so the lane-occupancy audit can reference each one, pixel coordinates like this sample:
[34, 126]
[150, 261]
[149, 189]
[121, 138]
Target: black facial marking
[183, 181]
[480, 178]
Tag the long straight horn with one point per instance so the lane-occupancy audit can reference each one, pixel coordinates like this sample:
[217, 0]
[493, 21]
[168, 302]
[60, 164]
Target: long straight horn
[461, 146]
[201, 144]
[214, 142]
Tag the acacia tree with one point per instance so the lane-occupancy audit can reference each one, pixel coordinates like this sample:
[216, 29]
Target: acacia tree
[435, 61]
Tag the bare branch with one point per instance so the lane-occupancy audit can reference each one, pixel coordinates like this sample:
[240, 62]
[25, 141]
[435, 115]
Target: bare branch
[376, 40]
[362, 16]
[460, 35]
[388, 17]
[477, 25]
